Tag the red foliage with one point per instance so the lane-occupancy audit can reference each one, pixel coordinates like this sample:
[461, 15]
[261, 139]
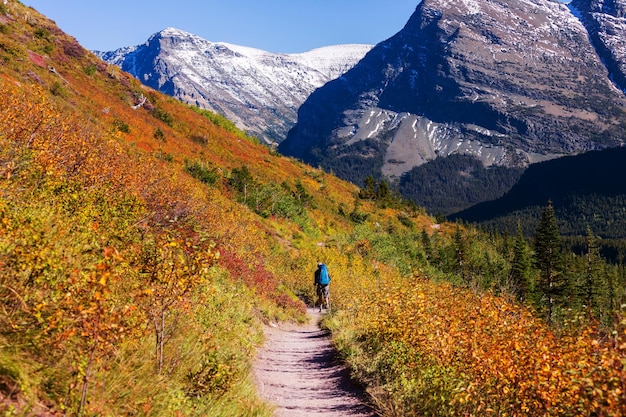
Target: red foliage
[254, 276]
[36, 59]
[73, 49]
[258, 278]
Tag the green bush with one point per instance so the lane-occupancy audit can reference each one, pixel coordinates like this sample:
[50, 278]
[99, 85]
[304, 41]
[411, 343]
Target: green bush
[58, 90]
[121, 126]
[163, 116]
[42, 33]
[164, 156]
[159, 135]
[90, 70]
[202, 172]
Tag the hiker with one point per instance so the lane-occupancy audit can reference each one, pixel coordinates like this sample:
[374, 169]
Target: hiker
[322, 284]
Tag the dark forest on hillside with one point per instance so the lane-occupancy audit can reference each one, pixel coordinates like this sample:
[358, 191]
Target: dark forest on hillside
[587, 190]
[455, 183]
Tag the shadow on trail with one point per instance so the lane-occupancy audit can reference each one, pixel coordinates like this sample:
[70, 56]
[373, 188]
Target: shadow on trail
[298, 371]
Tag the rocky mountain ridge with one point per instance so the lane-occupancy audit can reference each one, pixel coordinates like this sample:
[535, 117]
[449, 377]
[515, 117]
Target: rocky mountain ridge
[511, 82]
[258, 90]
[605, 21]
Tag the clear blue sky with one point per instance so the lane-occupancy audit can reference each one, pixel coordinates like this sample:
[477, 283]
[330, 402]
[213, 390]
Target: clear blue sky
[286, 26]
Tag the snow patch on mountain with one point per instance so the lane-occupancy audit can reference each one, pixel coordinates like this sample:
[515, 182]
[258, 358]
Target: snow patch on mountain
[511, 82]
[259, 90]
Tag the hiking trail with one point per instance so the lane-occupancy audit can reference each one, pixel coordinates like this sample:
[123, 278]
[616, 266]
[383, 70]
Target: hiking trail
[296, 370]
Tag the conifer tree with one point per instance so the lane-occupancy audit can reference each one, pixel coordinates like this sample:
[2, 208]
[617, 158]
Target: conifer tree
[460, 248]
[611, 305]
[592, 288]
[369, 191]
[383, 193]
[520, 274]
[549, 260]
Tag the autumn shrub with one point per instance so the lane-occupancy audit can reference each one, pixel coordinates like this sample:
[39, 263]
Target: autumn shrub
[255, 276]
[61, 302]
[225, 364]
[433, 349]
[206, 366]
[97, 245]
[73, 49]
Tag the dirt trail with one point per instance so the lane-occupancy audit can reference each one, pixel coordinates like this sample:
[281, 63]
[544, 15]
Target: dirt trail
[296, 371]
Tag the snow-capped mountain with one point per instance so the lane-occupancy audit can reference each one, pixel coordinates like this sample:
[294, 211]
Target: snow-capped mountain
[258, 90]
[510, 82]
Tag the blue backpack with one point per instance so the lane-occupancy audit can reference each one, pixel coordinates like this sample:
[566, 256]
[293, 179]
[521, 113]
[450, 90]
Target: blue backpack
[324, 277]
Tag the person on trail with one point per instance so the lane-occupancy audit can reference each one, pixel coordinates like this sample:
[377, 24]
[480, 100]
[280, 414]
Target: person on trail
[322, 284]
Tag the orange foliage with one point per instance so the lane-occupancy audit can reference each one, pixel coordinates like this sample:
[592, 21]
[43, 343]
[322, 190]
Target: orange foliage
[505, 361]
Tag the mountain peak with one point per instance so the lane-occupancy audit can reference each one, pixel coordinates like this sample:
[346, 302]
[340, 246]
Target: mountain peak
[509, 82]
[259, 90]
[171, 31]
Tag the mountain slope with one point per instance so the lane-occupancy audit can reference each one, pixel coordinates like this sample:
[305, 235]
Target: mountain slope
[606, 23]
[509, 82]
[260, 91]
[448, 185]
[586, 190]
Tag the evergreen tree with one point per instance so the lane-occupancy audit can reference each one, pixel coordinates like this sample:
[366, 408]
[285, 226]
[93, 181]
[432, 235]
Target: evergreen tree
[369, 191]
[357, 216]
[302, 195]
[549, 260]
[592, 288]
[383, 193]
[460, 247]
[520, 274]
[612, 302]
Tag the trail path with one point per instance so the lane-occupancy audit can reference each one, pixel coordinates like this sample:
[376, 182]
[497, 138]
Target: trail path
[296, 371]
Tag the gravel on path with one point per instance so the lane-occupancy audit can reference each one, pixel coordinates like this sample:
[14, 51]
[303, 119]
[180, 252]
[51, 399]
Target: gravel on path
[297, 371]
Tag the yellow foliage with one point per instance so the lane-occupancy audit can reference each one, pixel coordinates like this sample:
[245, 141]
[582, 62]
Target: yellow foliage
[498, 355]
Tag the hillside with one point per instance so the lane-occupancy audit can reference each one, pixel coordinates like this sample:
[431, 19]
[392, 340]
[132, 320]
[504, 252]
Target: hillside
[448, 185]
[143, 242]
[586, 190]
